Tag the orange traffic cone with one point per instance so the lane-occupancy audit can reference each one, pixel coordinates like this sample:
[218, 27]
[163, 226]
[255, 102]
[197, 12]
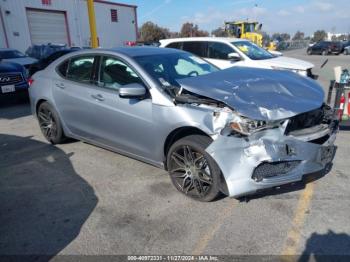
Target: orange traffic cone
[346, 109]
[341, 107]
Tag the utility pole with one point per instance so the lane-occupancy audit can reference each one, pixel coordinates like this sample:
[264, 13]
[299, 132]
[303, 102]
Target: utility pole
[92, 22]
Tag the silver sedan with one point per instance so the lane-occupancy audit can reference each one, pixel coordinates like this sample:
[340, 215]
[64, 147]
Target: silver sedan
[233, 131]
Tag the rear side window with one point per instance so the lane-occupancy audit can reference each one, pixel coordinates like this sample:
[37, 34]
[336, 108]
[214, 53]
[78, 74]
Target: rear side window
[219, 50]
[176, 45]
[80, 68]
[62, 68]
[197, 48]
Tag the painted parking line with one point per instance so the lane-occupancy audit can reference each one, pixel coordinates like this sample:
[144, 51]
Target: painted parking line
[205, 238]
[293, 237]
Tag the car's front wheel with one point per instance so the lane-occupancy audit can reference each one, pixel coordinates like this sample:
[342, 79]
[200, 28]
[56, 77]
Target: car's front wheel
[324, 52]
[192, 170]
[50, 124]
[309, 52]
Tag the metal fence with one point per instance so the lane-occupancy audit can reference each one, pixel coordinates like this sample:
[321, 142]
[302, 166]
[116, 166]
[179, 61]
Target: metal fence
[292, 44]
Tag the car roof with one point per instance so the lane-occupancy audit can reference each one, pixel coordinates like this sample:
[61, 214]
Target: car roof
[133, 51]
[202, 39]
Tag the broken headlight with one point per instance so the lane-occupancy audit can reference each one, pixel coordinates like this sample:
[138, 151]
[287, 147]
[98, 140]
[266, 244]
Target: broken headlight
[246, 126]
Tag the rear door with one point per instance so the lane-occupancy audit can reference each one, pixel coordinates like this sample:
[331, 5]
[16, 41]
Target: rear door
[73, 89]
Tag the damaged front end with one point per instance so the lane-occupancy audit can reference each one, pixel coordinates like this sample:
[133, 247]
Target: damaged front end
[274, 153]
[266, 132]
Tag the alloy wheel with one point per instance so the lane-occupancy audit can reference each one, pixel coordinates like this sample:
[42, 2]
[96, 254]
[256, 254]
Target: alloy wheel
[47, 123]
[190, 172]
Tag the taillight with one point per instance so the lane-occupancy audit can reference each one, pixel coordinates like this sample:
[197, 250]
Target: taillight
[30, 81]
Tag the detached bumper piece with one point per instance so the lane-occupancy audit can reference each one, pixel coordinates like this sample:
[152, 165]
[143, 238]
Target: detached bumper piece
[269, 170]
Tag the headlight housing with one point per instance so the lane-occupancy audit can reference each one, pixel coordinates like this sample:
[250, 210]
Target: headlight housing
[247, 126]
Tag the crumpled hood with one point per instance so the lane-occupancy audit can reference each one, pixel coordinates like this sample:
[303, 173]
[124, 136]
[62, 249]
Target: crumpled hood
[260, 94]
[287, 62]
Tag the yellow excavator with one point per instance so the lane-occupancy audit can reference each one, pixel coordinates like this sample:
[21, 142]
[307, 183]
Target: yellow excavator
[247, 30]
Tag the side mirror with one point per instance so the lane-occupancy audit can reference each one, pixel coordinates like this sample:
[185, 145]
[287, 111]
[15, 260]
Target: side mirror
[234, 56]
[134, 90]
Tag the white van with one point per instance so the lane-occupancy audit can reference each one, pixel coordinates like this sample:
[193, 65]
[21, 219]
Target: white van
[228, 52]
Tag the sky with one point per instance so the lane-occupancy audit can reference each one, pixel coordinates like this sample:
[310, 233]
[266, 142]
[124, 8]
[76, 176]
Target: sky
[275, 15]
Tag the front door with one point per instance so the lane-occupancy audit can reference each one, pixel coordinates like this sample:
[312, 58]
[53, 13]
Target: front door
[123, 123]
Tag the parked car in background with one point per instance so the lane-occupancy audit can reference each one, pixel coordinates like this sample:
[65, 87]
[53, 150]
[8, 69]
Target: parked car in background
[234, 131]
[42, 51]
[12, 78]
[347, 50]
[325, 48]
[229, 52]
[345, 44]
[15, 56]
[44, 62]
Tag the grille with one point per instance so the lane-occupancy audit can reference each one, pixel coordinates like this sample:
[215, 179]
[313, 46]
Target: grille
[309, 119]
[268, 170]
[10, 78]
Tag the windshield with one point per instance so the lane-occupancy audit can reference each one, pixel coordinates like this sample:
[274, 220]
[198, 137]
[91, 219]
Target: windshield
[9, 54]
[168, 68]
[253, 51]
[249, 28]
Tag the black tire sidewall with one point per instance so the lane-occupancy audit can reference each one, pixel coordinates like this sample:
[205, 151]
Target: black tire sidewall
[59, 138]
[199, 143]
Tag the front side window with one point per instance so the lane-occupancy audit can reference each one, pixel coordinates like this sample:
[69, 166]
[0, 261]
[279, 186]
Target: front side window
[219, 50]
[168, 68]
[197, 48]
[114, 74]
[253, 51]
[80, 68]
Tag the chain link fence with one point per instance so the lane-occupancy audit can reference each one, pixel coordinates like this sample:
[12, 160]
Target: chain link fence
[292, 44]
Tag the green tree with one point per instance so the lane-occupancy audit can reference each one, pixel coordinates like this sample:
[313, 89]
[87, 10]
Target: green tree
[319, 35]
[151, 32]
[299, 36]
[192, 30]
[219, 32]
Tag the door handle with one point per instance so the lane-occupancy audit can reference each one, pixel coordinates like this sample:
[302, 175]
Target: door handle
[60, 85]
[98, 97]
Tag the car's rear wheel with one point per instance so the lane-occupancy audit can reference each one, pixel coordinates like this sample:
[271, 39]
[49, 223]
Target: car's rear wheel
[50, 124]
[324, 52]
[192, 170]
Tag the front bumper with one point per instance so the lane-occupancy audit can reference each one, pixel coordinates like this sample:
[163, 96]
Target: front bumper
[240, 158]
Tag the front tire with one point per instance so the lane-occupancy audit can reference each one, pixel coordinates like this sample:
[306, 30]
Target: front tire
[324, 52]
[192, 170]
[309, 52]
[50, 124]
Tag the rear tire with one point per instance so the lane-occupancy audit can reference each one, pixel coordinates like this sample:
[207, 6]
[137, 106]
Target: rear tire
[324, 52]
[50, 124]
[192, 170]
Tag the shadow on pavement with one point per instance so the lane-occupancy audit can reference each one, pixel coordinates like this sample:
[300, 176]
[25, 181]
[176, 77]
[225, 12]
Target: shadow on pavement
[327, 247]
[14, 106]
[43, 201]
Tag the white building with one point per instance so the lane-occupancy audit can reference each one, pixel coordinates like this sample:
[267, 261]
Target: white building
[27, 22]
